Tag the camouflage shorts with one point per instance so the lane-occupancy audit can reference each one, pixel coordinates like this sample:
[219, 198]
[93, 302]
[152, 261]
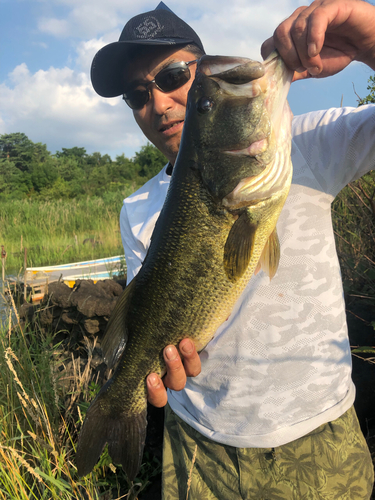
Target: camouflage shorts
[331, 463]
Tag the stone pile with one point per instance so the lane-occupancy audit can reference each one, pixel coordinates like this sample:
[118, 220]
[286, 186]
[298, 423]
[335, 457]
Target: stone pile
[78, 318]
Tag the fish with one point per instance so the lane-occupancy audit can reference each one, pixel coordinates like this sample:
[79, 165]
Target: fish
[216, 229]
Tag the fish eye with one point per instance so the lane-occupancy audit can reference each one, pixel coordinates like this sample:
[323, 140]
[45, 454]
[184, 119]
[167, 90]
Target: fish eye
[204, 105]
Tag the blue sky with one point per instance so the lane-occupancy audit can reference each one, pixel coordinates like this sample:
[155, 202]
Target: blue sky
[46, 49]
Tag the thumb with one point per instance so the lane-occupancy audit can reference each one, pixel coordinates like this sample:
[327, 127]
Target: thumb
[267, 47]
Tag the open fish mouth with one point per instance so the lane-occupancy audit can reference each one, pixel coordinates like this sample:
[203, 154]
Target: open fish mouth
[252, 78]
[268, 142]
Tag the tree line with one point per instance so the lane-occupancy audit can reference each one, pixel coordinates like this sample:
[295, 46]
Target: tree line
[29, 170]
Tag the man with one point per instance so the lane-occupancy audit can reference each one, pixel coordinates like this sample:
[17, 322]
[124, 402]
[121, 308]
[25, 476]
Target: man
[270, 415]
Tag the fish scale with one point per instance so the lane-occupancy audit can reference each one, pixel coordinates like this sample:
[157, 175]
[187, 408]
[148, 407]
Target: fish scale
[210, 237]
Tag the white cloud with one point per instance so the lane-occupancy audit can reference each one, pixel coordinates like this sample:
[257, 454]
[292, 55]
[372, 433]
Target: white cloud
[243, 24]
[58, 107]
[54, 27]
[43, 45]
[88, 18]
[86, 50]
[241, 29]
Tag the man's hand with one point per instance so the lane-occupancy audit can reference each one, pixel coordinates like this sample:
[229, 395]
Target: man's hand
[177, 371]
[322, 39]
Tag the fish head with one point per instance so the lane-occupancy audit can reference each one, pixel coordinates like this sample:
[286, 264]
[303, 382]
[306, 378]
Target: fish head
[237, 119]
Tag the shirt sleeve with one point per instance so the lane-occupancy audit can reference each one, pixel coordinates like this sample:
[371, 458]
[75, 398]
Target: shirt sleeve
[134, 255]
[338, 144]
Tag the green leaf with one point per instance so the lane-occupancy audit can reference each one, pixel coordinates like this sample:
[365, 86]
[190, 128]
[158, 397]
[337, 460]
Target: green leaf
[60, 484]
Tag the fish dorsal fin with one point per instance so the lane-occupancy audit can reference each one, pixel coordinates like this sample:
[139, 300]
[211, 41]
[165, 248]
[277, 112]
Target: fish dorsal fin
[270, 257]
[239, 247]
[116, 335]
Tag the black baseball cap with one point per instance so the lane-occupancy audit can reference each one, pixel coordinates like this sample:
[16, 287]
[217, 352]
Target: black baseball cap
[159, 27]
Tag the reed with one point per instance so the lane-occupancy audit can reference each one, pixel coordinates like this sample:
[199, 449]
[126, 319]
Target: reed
[42, 406]
[353, 215]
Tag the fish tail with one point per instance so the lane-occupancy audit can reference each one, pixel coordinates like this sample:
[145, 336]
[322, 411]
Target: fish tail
[125, 435]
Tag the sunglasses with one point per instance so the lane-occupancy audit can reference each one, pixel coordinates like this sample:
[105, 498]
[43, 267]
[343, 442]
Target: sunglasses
[168, 79]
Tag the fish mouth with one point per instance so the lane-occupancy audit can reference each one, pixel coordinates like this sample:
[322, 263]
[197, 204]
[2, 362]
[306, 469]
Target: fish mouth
[271, 78]
[243, 77]
[240, 76]
[234, 70]
[264, 144]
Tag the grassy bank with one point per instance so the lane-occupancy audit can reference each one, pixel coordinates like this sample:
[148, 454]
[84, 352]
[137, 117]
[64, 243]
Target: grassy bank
[57, 232]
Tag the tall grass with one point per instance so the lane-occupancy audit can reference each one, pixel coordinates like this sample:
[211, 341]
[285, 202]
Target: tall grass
[42, 406]
[353, 215]
[61, 231]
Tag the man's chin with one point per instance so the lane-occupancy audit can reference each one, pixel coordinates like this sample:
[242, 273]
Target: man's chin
[170, 150]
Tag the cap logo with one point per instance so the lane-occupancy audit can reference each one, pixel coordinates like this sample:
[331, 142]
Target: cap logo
[149, 28]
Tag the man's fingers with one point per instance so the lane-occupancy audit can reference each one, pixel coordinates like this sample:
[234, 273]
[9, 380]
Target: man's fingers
[175, 378]
[156, 392]
[308, 32]
[177, 371]
[267, 47]
[284, 41]
[191, 359]
[299, 40]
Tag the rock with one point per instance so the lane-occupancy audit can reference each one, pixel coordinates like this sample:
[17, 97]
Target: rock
[92, 300]
[70, 317]
[91, 326]
[112, 287]
[27, 311]
[77, 315]
[58, 294]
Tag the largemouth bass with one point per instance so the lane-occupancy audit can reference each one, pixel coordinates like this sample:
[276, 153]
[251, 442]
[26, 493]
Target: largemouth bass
[216, 228]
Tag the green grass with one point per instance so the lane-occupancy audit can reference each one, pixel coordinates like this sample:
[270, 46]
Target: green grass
[61, 231]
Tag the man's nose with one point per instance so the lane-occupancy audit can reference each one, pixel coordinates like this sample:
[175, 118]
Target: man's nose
[161, 101]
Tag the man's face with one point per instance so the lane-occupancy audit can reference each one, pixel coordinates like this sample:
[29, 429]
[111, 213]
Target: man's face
[162, 118]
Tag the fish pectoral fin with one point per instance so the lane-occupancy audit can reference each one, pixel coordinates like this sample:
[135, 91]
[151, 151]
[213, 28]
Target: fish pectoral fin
[239, 247]
[125, 435]
[269, 260]
[116, 334]
[258, 268]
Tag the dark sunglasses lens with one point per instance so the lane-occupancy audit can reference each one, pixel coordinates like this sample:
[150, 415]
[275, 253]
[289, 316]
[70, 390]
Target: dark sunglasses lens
[167, 80]
[172, 78]
[136, 99]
